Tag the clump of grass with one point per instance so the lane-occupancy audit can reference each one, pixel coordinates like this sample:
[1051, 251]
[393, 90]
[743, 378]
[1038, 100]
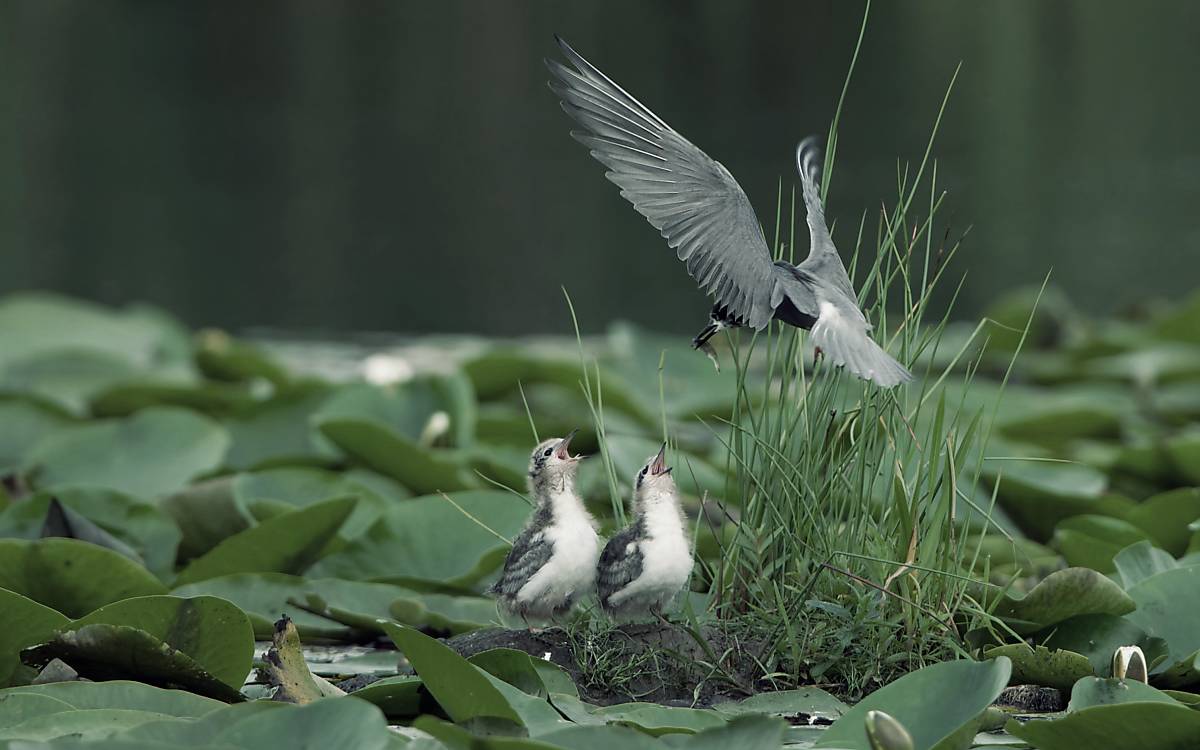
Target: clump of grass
[849, 557]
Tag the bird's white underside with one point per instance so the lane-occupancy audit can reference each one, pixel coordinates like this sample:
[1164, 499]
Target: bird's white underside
[571, 570]
[666, 558]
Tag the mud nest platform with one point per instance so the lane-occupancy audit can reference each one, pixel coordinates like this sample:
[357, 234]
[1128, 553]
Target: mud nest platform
[643, 662]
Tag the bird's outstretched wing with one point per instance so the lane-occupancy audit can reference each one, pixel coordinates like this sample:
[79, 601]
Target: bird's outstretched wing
[691, 199]
[841, 331]
[531, 550]
[620, 564]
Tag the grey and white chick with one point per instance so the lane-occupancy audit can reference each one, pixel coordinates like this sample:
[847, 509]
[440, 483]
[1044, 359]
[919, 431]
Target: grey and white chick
[645, 565]
[552, 562]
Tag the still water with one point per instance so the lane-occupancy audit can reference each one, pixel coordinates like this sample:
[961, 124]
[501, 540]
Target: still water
[401, 165]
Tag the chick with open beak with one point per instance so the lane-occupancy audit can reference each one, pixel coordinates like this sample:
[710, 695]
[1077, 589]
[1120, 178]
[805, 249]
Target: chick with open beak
[552, 562]
[645, 565]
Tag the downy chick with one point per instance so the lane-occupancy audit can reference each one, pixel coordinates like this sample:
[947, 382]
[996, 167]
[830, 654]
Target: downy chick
[645, 565]
[552, 562]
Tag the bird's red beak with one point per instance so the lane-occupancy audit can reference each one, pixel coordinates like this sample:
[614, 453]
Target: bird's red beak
[562, 450]
[659, 466]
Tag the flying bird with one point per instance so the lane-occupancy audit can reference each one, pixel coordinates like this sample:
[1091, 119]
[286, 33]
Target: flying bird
[703, 214]
[645, 565]
[552, 562]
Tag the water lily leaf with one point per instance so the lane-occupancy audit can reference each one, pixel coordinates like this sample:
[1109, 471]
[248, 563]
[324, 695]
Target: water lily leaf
[198, 732]
[288, 543]
[25, 424]
[71, 576]
[378, 447]
[937, 704]
[151, 453]
[85, 725]
[68, 378]
[136, 696]
[221, 357]
[1184, 451]
[657, 720]
[800, 703]
[207, 514]
[1139, 561]
[1097, 637]
[1091, 541]
[151, 537]
[264, 597]
[429, 539]
[16, 707]
[1042, 666]
[750, 732]
[129, 396]
[297, 487]
[604, 737]
[529, 675]
[1064, 594]
[397, 697]
[1039, 494]
[1165, 518]
[1141, 725]
[213, 632]
[280, 430]
[405, 409]
[26, 623]
[343, 722]
[463, 690]
[1095, 691]
[114, 652]
[1168, 606]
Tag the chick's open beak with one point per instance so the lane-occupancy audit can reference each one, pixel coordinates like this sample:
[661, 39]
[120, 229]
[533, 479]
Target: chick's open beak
[562, 450]
[659, 466]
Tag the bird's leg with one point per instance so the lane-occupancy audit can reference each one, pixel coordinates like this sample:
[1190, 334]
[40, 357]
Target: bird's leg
[716, 322]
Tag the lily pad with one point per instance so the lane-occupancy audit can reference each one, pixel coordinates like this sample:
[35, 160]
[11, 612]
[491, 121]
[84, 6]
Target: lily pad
[1137, 562]
[657, 720]
[207, 513]
[1041, 666]
[940, 705]
[71, 576]
[25, 423]
[151, 453]
[1184, 451]
[263, 597]
[800, 703]
[344, 722]
[287, 543]
[114, 652]
[1168, 606]
[85, 725]
[1140, 725]
[1091, 541]
[1061, 595]
[380, 448]
[122, 694]
[280, 430]
[26, 623]
[1098, 636]
[1165, 518]
[213, 632]
[296, 487]
[1039, 494]
[150, 533]
[429, 539]
[1095, 691]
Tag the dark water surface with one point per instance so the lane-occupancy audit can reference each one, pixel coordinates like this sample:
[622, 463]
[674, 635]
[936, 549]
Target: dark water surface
[402, 166]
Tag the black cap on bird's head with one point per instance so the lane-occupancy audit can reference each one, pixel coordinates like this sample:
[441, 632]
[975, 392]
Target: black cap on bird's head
[655, 467]
[553, 453]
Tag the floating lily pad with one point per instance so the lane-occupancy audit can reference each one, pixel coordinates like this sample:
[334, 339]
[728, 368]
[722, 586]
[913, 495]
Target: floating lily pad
[26, 623]
[1184, 451]
[129, 396]
[1145, 725]
[1168, 606]
[1091, 541]
[429, 539]
[1165, 518]
[207, 513]
[151, 453]
[280, 430]
[657, 720]
[296, 487]
[25, 423]
[93, 725]
[150, 533]
[71, 576]
[1039, 494]
[940, 705]
[1138, 562]
[287, 543]
[213, 632]
[1098, 636]
[343, 722]
[1042, 666]
[800, 703]
[378, 447]
[1061, 595]
[114, 652]
[121, 694]
[1095, 691]
[264, 597]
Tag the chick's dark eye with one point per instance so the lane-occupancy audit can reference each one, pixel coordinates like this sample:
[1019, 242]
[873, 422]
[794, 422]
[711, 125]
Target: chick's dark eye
[548, 452]
[643, 472]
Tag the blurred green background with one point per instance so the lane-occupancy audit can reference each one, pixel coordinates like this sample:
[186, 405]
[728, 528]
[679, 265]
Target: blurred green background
[401, 166]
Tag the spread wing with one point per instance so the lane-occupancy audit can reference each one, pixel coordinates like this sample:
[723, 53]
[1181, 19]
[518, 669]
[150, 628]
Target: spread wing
[823, 260]
[531, 550]
[691, 199]
[620, 564]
